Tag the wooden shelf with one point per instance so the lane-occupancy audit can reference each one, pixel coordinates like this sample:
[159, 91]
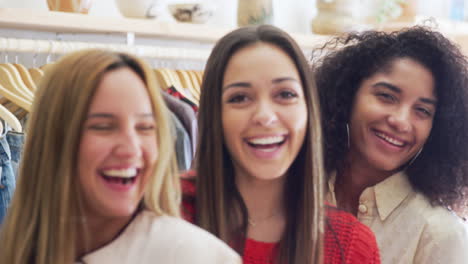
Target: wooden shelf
[29, 19]
[48, 21]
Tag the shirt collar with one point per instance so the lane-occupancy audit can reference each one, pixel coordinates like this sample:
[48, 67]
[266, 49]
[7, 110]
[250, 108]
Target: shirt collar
[389, 193]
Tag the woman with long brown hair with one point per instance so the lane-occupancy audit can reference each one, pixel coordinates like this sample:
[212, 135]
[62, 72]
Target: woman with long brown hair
[259, 174]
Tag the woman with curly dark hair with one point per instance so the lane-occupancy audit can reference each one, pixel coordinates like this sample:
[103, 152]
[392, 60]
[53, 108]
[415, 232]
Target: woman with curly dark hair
[395, 116]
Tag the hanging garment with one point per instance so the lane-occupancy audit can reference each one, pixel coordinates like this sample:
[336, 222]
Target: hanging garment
[182, 145]
[15, 141]
[186, 115]
[7, 176]
[173, 91]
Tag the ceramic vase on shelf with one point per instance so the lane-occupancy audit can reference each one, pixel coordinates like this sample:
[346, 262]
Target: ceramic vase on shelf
[254, 12]
[139, 8]
[340, 16]
[73, 6]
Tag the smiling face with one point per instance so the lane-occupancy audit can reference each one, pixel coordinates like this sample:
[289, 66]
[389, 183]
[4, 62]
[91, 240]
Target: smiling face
[118, 148]
[392, 115]
[264, 114]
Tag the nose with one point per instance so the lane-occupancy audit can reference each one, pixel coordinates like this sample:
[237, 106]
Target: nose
[128, 145]
[265, 114]
[400, 120]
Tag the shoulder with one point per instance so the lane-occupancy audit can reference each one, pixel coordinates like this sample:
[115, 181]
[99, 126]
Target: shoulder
[444, 225]
[195, 245]
[349, 237]
[444, 237]
[179, 241]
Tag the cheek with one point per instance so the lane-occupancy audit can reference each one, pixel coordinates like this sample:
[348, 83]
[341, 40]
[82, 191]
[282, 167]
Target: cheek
[151, 149]
[232, 124]
[297, 119]
[424, 131]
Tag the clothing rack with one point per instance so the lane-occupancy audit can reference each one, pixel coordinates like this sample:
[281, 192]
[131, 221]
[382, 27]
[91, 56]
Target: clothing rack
[63, 47]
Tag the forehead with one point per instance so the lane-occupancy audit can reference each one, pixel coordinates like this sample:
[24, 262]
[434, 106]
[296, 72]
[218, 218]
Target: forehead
[121, 90]
[260, 60]
[408, 75]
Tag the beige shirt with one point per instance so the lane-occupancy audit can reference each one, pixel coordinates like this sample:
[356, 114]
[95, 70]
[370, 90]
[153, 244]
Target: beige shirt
[408, 229]
[163, 239]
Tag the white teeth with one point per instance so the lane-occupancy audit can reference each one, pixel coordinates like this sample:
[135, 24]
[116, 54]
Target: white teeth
[267, 140]
[124, 173]
[390, 140]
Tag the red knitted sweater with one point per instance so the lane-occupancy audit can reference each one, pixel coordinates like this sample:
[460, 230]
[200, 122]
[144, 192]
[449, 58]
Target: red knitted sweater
[346, 239]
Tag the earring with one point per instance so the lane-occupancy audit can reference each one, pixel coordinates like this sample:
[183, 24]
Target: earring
[347, 133]
[415, 156]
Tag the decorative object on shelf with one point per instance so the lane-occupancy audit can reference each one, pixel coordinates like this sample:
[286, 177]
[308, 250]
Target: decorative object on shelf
[396, 10]
[254, 12]
[340, 16]
[73, 6]
[140, 8]
[198, 13]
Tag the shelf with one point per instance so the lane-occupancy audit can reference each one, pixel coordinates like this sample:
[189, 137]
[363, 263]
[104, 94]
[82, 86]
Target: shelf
[48, 21]
[29, 19]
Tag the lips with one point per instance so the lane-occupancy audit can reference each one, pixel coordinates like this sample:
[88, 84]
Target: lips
[266, 143]
[125, 176]
[391, 139]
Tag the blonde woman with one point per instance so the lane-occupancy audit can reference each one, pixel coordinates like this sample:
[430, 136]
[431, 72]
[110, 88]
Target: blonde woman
[98, 181]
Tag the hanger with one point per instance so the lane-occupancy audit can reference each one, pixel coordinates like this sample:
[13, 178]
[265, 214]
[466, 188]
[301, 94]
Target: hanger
[196, 84]
[162, 78]
[26, 77]
[36, 75]
[11, 119]
[178, 85]
[187, 83]
[199, 75]
[18, 86]
[9, 89]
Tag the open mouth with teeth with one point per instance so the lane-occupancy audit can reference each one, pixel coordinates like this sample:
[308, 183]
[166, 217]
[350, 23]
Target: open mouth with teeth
[393, 141]
[120, 176]
[267, 143]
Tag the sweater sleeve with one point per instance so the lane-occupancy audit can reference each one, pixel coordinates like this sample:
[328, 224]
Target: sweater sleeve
[349, 241]
[363, 246]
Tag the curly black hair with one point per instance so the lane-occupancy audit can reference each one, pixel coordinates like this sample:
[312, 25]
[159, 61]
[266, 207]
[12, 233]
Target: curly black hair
[440, 171]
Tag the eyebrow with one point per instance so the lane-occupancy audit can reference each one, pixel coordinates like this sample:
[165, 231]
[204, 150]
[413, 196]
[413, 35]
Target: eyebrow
[248, 85]
[109, 115]
[398, 90]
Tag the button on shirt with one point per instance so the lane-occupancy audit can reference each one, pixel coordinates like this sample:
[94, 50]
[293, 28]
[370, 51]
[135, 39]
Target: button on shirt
[407, 227]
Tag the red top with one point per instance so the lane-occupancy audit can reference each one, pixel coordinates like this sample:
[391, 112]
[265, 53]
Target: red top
[345, 237]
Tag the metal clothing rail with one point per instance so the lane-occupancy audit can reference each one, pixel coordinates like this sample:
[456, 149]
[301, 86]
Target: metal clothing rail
[36, 46]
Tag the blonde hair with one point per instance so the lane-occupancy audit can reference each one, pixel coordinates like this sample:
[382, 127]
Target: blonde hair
[45, 216]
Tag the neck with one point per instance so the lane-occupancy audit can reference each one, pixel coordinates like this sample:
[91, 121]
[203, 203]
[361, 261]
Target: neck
[264, 200]
[355, 176]
[98, 232]
[262, 197]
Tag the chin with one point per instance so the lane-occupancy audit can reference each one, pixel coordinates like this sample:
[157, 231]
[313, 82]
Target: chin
[267, 174]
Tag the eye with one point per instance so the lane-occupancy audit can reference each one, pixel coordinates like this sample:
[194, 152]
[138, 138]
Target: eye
[386, 97]
[237, 99]
[424, 112]
[146, 127]
[101, 127]
[287, 95]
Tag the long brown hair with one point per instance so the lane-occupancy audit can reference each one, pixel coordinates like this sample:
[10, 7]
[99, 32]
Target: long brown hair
[45, 217]
[218, 199]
